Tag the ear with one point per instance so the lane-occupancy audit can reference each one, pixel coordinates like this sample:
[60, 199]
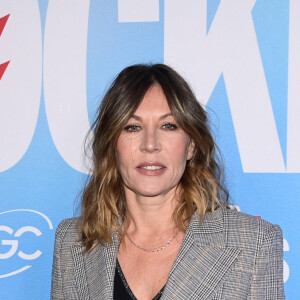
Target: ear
[191, 148]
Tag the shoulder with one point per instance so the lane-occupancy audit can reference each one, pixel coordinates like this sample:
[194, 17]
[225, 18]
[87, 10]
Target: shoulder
[235, 229]
[240, 221]
[249, 231]
[68, 230]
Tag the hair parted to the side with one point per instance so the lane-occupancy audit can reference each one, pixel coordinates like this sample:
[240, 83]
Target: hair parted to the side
[104, 203]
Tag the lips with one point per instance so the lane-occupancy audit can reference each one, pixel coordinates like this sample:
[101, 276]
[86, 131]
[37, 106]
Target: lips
[151, 169]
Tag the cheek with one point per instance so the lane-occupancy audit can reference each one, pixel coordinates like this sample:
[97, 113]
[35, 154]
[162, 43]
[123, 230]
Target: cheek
[180, 149]
[125, 152]
[178, 158]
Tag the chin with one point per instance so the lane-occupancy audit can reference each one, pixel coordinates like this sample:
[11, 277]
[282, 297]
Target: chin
[148, 193]
[152, 192]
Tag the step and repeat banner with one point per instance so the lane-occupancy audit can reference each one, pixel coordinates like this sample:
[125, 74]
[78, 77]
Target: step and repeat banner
[57, 58]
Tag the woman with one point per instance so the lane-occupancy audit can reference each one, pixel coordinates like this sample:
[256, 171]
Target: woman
[154, 221]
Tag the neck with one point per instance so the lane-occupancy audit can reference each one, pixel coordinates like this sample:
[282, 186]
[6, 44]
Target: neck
[150, 215]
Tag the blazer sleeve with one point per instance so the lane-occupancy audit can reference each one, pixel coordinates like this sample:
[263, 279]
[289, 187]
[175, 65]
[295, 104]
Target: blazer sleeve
[57, 285]
[267, 282]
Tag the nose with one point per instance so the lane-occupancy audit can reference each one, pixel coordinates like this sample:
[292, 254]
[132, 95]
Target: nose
[150, 141]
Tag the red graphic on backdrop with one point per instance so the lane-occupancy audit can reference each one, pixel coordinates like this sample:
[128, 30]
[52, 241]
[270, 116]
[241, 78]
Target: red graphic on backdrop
[3, 66]
[3, 21]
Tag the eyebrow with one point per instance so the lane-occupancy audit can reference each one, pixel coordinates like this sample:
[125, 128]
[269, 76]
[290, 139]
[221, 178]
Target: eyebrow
[138, 118]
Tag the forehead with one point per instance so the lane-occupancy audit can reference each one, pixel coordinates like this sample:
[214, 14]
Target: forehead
[154, 102]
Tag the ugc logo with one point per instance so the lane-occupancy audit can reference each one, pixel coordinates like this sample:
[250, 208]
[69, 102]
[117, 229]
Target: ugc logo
[21, 239]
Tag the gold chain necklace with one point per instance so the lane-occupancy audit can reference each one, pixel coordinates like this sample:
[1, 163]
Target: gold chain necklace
[153, 249]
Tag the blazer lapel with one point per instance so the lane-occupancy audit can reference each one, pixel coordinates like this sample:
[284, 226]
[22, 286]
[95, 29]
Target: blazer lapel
[79, 272]
[203, 260]
[94, 271]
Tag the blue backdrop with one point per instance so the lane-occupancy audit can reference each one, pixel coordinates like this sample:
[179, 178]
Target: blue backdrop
[57, 58]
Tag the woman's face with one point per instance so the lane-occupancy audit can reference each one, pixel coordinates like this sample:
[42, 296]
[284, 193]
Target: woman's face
[152, 149]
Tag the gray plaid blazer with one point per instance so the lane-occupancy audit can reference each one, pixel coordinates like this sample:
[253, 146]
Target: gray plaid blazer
[230, 256]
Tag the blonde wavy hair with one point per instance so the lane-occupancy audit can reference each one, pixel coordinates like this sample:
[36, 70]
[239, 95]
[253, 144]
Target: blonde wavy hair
[103, 201]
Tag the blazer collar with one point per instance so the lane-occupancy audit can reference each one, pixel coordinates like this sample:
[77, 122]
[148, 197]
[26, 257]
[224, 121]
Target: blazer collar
[201, 266]
[203, 261]
[94, 271]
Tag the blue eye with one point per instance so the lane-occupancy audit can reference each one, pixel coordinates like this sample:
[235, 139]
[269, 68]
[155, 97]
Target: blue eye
[170, 126]
[132, 128]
